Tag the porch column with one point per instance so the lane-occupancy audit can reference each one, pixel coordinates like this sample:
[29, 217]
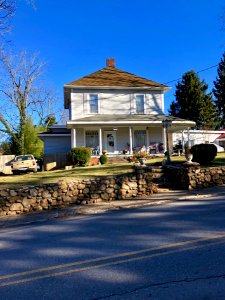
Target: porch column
[100, 140]
[164, 139]
[73, 138]
[131, 140]
[188, 137]
[182, 141]
[147, 137]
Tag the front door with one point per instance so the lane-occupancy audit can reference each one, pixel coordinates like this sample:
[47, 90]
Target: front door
[110, 141]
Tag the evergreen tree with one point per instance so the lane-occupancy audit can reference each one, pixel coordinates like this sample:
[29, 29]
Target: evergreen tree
[50, 121]
[219, 93]
[32, 143]
[192, 101]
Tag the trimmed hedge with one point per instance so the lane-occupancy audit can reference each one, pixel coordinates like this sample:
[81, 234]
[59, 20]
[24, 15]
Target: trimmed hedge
[203, 153]
[103, 159]
[80, 155]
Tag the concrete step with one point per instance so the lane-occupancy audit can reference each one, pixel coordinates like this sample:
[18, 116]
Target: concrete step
[158, 175]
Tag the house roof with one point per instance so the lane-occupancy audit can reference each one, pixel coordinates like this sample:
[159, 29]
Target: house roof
[113, 77]
[130, 120]
[222, 136]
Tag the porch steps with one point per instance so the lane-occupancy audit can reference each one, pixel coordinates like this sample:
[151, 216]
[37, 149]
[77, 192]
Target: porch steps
[160, 177]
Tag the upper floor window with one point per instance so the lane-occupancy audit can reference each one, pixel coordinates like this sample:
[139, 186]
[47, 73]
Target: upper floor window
[93, 103]
[139, 100]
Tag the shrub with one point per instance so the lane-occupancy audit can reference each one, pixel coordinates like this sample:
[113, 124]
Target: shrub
[80, 155]
[140, 154]
[203, 153]
[131, 159]
[103, 159]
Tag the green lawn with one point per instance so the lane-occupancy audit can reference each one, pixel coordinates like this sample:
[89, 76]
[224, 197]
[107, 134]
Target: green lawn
[86, 172]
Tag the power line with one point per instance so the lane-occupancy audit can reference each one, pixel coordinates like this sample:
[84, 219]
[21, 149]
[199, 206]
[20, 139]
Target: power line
[211, 67]
[150, 88]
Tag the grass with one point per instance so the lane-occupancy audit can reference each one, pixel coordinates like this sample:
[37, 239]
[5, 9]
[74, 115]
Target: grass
[87, 172]
[69, 175]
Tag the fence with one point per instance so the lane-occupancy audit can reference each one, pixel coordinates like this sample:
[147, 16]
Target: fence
[5, 163]
[56, 160]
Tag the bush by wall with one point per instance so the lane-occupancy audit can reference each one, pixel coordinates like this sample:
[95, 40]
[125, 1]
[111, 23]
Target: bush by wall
[80, 155]
[203, 153]
[103, 159]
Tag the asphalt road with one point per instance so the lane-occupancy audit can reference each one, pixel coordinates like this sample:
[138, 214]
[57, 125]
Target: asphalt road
[174, 251]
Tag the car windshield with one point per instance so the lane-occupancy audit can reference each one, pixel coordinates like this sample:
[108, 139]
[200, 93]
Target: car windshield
[23, 157]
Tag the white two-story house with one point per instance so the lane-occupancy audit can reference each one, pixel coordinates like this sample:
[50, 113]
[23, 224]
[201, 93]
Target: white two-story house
[113, 110]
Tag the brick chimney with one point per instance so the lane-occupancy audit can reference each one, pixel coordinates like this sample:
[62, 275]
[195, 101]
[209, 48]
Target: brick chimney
[110, 62]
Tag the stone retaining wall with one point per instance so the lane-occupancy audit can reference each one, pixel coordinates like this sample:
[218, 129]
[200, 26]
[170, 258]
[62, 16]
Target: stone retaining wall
[62, 194]
[192, 177]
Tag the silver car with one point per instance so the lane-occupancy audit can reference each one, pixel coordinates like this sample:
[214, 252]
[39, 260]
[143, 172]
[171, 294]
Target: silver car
[24, 163]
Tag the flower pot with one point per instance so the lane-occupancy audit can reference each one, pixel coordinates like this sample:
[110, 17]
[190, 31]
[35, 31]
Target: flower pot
[142, 160]
[189, 157]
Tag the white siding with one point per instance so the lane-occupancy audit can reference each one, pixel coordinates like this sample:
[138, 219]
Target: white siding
[122, 135]
[196, 137]
[80, 137]
[77, 105]
[155, 135]
[154, 103]
[115, 102]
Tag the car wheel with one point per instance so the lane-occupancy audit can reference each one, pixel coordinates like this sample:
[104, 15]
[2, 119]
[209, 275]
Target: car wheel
[35, 170]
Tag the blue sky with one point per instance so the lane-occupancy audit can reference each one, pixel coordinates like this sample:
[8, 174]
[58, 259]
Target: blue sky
[159, 40]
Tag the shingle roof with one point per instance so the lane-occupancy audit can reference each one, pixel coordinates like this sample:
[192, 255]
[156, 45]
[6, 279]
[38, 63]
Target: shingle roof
[129, 118]
[111, 76]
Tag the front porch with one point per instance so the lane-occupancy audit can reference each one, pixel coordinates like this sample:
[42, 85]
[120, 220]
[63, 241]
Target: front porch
[121, 134]
[118, 140]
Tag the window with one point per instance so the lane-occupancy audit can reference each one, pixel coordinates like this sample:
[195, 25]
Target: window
[93, 101]
[92, 139]
[140, 104]
[139, 138]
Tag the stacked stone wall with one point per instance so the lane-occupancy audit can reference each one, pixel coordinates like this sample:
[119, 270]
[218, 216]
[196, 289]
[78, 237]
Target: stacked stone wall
[61, 194]
[194, 177]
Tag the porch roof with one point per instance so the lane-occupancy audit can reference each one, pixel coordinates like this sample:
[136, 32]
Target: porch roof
[130, 120]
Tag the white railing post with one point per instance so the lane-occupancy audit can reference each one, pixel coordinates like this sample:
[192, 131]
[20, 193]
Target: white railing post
[100, 140]
[131, 140]
[73, 138]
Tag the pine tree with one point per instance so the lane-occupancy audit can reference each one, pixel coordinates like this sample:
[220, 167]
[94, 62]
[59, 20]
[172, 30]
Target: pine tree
[32, 143]
[219, 93]
[192, 101]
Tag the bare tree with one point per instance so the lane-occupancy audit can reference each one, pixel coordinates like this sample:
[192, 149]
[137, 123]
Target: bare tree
[44, 103]
[20, 94]
[7, 9]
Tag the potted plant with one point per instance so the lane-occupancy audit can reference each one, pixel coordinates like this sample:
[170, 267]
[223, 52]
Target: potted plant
[188, 154]
[141, 157]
